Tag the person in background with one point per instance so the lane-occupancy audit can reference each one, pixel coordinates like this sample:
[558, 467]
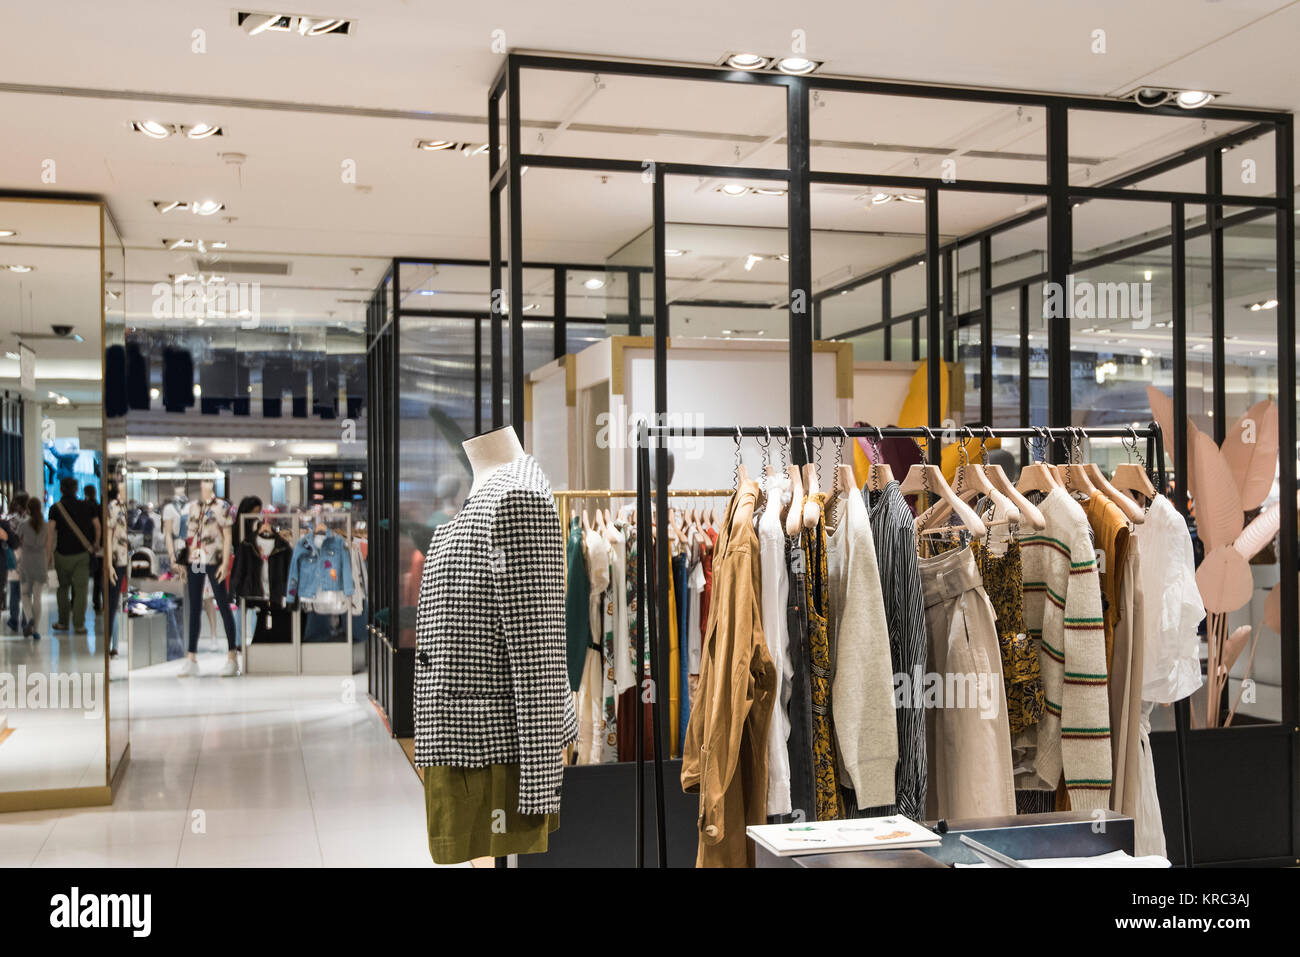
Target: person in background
[34, 566]
[91, 498]
[76, 535]
[13, 553]
[117, 554]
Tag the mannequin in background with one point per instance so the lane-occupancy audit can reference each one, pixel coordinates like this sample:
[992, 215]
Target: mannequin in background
[173, 526]
[208, 520]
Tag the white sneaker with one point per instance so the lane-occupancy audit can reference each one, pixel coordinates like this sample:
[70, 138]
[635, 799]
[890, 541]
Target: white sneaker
[230, 669]
[189, 668]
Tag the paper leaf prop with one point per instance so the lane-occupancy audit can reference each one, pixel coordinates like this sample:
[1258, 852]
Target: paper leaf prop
[1259, 532]
[1233, 647]
[1273, 609]
[1224, 580]
[1162, 410]
[1219, 515]
[1250, 449]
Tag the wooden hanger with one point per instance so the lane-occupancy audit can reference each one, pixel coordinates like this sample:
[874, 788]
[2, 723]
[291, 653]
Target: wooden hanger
[970, 482]
[1131, 509]
[997, 476]
[927, 478]
[1037, 476]
[794, 514]
[1076, 478]
[1132, 478]
[879, 474]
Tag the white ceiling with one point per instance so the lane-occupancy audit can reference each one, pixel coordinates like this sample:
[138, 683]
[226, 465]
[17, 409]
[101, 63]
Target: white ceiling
[289, 200]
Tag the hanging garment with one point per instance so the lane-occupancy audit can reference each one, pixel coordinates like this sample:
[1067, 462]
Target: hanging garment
[1021, 673]
[491, 682]
[803, 799]
[1148, 825]
[630, 699]
[577, 598]
[695, 586]
[706, 594]
[862, 690]
[259, 573]
[1110, 536]
[1062, 599]
[591, 708]
[360, 576]
[775, 598]
[826, 789]
[894, 533]
[616, 536]
[726, 742]
[1171, 668]
[968, 742]
[675, 688]
[322, 567]
[1125, 686]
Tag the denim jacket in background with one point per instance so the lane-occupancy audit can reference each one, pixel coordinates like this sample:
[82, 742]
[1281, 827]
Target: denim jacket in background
[312, 569]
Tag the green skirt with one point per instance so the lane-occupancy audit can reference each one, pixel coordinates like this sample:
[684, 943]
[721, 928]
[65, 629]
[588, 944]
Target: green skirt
[473, 812]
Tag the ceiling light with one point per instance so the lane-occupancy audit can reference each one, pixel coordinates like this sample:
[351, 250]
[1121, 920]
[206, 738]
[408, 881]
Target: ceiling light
[1150, 96]
[1270, 304]
[435, 145]
[1266, 304]
[8, 233]
[531, 307]
[750, 260]
[1256, 306]
[1193, 99]
[733, 189]
[19, 268]
[595, 282]
[322, 27]
[154, 393]
[261, 22]
[746, 61]
[910, 198]
[201, 131]
[796, 65]
[1147, 275]
[769, 190]
[152, 128]
[675, 252]
[207, 207]
[879, 198]
[14, 356]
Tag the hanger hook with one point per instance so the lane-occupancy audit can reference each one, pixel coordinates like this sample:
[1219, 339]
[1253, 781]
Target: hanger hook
[736, 471]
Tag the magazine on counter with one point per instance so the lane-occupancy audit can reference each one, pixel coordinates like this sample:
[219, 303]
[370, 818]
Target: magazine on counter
[856, 834]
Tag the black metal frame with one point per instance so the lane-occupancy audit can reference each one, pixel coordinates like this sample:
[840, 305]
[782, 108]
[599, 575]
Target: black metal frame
[1061, 197]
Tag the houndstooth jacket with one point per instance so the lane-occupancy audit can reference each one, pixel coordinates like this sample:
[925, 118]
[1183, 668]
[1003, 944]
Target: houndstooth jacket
[491, 685]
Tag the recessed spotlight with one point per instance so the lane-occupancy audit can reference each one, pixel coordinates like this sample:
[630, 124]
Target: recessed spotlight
[768, 190]
[796, 65]
[1270, 304]
[8, 233]
[201, 131]
[256, 23]
[14, 356]
[434, 146]
[18, 268]
[1193, 99]
[1150, 96]
[671, 253]
[531, 307]
[152, 128]
[207, 207]
[746, 61]
[751, 260]
[733, 189]
[1147, 275]
[320, 27]
[595, 282]
[878, 199]
[909, 198]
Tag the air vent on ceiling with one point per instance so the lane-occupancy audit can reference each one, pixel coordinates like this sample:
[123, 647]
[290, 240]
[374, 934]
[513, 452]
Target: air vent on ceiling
[247, 267]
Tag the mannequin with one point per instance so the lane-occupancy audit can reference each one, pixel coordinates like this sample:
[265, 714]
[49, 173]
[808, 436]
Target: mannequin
[491, 647]
[208, 543]
[172, 512]
[489, 452]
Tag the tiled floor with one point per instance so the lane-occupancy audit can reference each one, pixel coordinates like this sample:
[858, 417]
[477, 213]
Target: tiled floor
[250, 771]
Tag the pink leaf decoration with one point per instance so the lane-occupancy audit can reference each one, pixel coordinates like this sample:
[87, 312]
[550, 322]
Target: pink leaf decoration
[1259, 532]
[1224, 580]
[1162, 410]
[1273, 609]
[1219, 515]
[1253, 464]
[1233, 647]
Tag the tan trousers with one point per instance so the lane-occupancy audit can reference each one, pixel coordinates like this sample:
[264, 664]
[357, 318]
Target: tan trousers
[968, 738]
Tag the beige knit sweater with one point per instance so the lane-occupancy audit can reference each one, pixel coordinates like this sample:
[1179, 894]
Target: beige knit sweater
[1062, 598]
[862, 689]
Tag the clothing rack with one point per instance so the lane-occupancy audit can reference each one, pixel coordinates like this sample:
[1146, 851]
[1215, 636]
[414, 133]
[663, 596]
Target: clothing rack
[647, 629]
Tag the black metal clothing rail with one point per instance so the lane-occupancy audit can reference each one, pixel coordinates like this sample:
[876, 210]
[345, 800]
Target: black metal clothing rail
[650, 573]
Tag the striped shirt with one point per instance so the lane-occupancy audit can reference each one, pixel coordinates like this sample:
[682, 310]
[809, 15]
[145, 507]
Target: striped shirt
[893, 528]
[1063, 612]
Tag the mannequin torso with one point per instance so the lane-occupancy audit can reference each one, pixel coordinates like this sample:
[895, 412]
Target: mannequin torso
[489, 452]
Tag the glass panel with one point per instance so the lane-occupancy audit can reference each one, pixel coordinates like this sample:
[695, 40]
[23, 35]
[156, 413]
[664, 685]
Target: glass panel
[641, 118]
[851, 309]
[1105, 145]
[52, 409]
[1251, 168]
[915, 136]
[114, 568]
